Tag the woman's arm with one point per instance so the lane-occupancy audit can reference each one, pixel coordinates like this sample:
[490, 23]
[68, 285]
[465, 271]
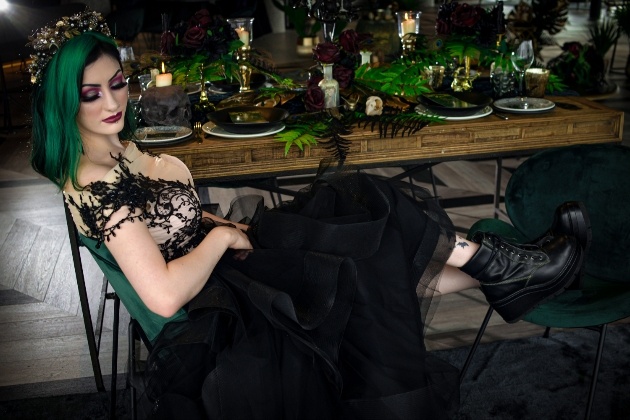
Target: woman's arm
[220, 220]
[166, 287]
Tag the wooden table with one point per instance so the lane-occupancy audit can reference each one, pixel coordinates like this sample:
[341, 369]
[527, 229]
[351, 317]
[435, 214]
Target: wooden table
[219, 159]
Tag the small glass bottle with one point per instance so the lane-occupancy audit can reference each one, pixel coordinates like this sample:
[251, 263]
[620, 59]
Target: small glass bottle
[330, 87]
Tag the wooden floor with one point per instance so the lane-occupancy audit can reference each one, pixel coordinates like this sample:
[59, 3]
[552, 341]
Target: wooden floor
[42, 340]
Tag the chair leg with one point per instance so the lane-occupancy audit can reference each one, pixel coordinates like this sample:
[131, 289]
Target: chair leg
[131, 357]
[112, 397]
[497, 189]
[482, 329]
[600, 348]
[85, 305]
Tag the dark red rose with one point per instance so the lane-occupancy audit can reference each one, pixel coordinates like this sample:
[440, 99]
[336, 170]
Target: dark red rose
[314, 80]
[349, 40]
[326, 53]
[314, 98]
[201, 18]
[573, 48]
[194, 37]
[442, 27]
[343, 75]
[465, 16]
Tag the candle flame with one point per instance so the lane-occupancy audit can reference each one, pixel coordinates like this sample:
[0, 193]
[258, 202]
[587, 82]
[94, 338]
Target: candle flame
[163, 67]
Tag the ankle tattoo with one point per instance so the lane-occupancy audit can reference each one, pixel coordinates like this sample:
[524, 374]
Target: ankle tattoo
[461, 242]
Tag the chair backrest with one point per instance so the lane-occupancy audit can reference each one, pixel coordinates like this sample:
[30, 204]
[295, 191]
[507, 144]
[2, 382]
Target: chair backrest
[598, 176]
[150, 322]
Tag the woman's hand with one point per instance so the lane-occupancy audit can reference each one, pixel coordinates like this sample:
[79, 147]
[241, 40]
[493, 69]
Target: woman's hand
[238, 241]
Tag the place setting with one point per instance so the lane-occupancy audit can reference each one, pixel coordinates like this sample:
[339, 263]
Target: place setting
[532, 84]
[244, 122]
[162, 135]
[455, 106]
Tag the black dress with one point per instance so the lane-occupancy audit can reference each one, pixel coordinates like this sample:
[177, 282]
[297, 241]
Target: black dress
[324, 319]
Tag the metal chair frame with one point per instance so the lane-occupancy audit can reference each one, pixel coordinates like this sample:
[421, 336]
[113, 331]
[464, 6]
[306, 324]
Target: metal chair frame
[94, 333]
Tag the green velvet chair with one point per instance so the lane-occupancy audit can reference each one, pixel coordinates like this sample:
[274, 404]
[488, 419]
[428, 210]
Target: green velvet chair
[143, 327]
[599, 177]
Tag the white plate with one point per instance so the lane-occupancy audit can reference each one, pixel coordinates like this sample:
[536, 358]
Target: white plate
[212, 129]
[516, 105]
[162, 134]
[193, 88]
[420, 109]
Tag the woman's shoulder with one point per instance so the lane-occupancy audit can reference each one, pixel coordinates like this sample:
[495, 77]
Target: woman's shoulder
[156, 166]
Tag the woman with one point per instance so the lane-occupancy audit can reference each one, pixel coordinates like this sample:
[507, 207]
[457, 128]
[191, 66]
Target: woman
[317, 310]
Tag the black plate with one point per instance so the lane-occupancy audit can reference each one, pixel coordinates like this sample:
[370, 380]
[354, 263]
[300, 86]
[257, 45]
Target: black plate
[257, 81]
[455, 104]
[255, 119]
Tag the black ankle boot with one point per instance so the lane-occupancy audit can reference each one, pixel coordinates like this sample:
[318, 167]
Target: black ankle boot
[517, 278]
[570, 219]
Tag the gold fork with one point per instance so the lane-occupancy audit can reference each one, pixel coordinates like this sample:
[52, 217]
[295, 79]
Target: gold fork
[198, 132]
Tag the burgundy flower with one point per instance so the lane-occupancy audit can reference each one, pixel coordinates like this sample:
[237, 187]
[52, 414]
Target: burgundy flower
[343, 75]
[465, 15]
[573, 48]
[314, 80]
[349, 40]
[201, 18]
[194, 37]
[314, 98]
[326, 53]
[442, 27]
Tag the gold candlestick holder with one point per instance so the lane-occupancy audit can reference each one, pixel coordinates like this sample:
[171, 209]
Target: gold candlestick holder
[242, 56]
[408, 43]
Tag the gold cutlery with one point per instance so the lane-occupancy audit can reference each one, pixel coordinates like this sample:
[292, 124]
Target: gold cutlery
[197, 131]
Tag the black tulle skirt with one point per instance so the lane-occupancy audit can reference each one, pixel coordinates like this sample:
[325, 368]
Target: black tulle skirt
[325, 319]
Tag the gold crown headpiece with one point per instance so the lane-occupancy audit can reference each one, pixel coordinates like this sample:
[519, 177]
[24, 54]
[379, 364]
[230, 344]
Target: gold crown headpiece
[49, 39]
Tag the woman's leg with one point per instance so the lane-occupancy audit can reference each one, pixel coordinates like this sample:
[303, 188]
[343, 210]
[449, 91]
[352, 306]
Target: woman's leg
[463, 252]
[514, 278]
[454, 280]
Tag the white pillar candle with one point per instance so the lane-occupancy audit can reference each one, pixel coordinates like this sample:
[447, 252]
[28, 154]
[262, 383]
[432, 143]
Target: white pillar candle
[243, 35]
[409, 26]
[164, 79]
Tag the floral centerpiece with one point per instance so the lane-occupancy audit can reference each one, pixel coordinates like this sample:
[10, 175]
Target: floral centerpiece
[203, 44]
[467, 29]
[344, 57]
[580, 67]
[469, 32]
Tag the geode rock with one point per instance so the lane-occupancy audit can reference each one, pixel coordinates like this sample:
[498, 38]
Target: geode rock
[166, 105]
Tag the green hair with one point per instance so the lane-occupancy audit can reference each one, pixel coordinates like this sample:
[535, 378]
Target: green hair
[56, 141]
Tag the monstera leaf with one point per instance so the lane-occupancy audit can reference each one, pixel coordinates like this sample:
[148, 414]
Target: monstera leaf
[550, 15]
[538, 21]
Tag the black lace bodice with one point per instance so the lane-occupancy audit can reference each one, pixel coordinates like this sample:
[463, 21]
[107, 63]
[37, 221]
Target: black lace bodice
[155, 190]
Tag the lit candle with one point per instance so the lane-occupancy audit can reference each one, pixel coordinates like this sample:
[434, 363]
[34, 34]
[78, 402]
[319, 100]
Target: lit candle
[409, 26]
[164, 79]
[243, 35]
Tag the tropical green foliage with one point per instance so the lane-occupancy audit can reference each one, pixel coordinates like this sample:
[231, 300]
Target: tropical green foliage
[395, 79]
[603, 35]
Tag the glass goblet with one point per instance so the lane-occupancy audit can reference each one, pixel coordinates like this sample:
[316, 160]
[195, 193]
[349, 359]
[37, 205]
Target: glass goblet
[522, 59]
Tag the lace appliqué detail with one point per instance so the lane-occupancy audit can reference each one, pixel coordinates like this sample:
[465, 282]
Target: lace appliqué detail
[154, 202]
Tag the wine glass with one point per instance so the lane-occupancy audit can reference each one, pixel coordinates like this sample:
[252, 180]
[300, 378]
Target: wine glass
[522, 59]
